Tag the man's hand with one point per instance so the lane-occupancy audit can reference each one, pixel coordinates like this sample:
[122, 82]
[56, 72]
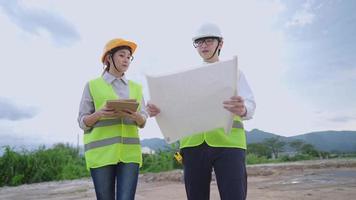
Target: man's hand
[152, 109]
[236, 106]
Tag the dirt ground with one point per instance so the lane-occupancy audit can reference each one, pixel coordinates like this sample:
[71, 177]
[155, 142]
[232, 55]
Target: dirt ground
[311, 180]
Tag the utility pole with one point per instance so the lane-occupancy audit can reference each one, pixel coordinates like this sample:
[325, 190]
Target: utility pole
[78, 143]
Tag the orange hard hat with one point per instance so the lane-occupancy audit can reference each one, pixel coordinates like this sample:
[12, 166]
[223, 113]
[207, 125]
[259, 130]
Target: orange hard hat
[118, 42]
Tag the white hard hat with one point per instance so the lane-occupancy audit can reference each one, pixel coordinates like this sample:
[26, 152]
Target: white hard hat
[207, 30]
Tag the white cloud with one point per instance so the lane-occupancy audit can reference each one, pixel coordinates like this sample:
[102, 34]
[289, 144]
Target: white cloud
[34, 72]
[35, 21]
[343, 118]
[10, 111]
[302, 17]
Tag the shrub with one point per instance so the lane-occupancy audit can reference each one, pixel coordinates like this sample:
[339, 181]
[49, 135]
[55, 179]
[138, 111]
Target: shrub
[57, 163]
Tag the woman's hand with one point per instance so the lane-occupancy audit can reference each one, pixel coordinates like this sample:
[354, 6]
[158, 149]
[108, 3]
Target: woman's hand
[106, 112]
[152, 109]
[137, 117]
[91, 119]
[236, 106]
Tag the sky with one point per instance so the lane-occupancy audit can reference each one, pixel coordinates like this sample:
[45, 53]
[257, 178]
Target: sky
[298, 57]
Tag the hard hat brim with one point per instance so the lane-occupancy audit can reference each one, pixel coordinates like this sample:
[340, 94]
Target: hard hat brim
[117, 43]
[204, 36]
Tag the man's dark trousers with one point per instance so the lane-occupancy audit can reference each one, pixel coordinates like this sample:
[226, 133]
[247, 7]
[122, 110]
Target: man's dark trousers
[229, 167]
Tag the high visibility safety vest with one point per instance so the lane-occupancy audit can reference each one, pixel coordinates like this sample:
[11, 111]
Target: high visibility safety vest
[111, 141]
[218, 138]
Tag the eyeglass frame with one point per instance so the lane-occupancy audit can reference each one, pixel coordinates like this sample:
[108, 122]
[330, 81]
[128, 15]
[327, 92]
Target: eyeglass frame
[203, 40]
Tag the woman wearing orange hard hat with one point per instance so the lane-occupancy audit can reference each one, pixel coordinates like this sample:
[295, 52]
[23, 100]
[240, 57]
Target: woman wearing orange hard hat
[111, 141]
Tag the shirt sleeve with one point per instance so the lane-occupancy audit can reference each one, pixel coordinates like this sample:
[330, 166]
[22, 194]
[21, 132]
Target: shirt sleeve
[86, 107]
[245, 92]
[143, 111]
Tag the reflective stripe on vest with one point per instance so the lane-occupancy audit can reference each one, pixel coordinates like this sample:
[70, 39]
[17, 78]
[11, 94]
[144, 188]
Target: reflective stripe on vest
[218, 138]
[111, 122]
[110, 141]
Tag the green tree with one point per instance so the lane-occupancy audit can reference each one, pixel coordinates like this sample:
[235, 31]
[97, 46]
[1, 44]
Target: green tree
[310, 150]
[297, 145]
[259, 149]
[275, 144]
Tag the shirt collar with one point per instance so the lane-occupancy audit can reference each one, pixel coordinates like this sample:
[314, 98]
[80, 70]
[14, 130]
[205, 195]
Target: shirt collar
[204, 62]
[109, 78]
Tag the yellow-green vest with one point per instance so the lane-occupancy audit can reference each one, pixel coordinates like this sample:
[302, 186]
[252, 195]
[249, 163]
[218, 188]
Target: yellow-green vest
[111, 141]
[218, 138]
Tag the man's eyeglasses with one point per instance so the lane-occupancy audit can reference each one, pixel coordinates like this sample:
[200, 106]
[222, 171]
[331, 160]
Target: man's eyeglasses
[199, 42]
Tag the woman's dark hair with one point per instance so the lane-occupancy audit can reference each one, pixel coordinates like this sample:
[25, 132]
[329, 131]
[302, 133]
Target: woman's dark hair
[112, 52]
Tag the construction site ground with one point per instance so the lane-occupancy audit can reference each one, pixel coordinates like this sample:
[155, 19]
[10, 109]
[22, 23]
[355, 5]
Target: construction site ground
[310, 180]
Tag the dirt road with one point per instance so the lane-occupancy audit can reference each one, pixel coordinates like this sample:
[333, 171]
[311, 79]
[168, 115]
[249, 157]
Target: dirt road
[328, 179]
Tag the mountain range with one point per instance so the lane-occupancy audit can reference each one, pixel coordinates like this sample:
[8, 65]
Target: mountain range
[330, 141]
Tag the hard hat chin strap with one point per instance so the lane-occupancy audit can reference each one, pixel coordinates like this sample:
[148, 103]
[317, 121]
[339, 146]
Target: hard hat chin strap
[113, 62]
[215, 50]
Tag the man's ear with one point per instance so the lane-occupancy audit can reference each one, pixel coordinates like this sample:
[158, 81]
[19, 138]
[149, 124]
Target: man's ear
[221, 44]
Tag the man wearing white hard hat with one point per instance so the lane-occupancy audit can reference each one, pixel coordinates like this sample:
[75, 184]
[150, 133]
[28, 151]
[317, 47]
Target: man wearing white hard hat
[225, 153]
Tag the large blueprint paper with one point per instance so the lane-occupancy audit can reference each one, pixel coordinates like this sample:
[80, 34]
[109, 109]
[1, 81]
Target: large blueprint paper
[192, 101]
